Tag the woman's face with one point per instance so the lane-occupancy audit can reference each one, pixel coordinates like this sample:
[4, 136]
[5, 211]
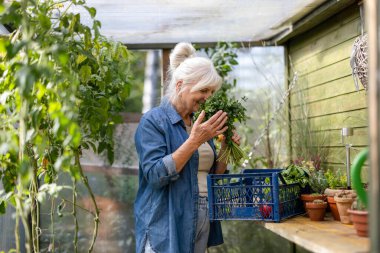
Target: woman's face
[192, 99]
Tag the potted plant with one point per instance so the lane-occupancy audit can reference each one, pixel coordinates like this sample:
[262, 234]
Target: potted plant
[337, 182]
[344, 201]
[317, 182]
[359, 217]
[316, 209]
[297, 174]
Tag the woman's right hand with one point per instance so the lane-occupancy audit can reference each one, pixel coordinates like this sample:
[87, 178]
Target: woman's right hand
[204, 131]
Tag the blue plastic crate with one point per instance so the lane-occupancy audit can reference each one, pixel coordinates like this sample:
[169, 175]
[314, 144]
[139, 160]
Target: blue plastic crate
[256, 194]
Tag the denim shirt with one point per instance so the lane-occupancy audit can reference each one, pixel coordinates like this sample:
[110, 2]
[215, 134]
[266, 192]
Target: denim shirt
[166, 205]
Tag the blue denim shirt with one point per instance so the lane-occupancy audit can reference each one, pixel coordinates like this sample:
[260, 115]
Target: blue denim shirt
[166, 205]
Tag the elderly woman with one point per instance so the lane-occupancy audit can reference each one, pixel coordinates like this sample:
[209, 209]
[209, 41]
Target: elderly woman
[175, 155]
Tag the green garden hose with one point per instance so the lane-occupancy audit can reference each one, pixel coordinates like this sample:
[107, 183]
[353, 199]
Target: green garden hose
[356, 169]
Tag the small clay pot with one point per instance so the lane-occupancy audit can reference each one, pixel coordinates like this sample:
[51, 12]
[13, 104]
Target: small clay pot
[360, 220]
[343, 205]
[333, 208]
[311, 197]
[316, 211]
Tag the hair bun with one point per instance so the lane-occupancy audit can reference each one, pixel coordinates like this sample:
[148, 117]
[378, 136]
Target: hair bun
[180, 53]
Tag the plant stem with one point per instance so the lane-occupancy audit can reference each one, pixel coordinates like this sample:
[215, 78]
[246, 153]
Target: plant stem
[17, 226]
[52, 208]
[34, 208]
[84, 209]
[20, 213]
[75, 215]
[96, 218]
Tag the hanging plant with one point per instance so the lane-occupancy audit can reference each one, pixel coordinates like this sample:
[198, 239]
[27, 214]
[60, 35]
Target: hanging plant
[62, 85]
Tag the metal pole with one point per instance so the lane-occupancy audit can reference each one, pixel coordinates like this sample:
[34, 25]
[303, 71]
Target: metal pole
[348, 165]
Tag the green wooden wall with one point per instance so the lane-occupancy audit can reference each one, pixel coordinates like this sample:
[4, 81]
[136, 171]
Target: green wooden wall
[321, 57]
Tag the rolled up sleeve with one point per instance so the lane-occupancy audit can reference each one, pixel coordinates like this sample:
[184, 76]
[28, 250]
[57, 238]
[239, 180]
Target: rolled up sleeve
[157, 165]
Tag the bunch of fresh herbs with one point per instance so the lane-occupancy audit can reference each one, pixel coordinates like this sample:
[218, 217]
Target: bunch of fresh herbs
[224, 57]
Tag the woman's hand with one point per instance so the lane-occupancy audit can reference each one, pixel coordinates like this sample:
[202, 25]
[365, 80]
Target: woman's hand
[235, 138]
[204, 131]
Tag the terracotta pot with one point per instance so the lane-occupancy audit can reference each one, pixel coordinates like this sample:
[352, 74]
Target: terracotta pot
[332, 192]
[316, 211]
[343, 205]
[311, 197]
[360, 220]
[333, 208]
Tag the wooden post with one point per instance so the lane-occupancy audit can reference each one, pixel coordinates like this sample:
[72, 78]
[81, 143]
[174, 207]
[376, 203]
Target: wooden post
[165, 68]
[372, 10]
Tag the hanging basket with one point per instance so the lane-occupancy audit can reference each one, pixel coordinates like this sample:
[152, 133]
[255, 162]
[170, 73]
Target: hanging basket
[359, 61]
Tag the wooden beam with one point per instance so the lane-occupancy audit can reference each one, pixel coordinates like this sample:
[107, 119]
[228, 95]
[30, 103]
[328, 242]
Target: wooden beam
[131, 117]
[112, 171]
[372, 13]
[199, 44]
[165, 68]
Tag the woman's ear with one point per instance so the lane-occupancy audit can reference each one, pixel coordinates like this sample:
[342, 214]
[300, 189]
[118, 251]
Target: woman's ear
[178, 85]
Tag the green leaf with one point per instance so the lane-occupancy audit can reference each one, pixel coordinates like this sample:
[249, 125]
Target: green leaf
[81, 58]
[45, 21]
[3, 46]
[91, 10]
[63, 58]
[92, 146]
[2, 207]
[13, 49]
[101, 147]
[25, 79]
[47, 178]
[85, 73]
[110, 154]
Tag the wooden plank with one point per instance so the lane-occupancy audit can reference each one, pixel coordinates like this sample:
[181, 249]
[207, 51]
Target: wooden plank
[323, 29]
[346, 32]
[343, 103]
[357, 118]
[321, 237]
[315, 44]
[325, 58]
[364, 174]
[337, 155]
[323, 13]
[333, 137]
[334, 88]
[327, 74]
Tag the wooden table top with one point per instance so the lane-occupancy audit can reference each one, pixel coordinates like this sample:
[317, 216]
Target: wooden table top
[327, 236]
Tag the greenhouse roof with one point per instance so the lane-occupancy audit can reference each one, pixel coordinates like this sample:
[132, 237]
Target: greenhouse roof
[161, 23]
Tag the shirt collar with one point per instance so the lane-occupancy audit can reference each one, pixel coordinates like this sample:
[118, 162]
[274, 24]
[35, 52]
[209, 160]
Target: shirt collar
[171, 112]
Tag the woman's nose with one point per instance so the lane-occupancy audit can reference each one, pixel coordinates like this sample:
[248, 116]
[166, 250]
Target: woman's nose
[208, 94]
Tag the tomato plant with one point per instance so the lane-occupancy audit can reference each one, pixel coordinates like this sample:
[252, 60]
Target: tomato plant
[62, 85]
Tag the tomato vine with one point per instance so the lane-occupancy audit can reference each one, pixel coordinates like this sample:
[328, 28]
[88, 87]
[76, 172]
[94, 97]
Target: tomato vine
[62, 86]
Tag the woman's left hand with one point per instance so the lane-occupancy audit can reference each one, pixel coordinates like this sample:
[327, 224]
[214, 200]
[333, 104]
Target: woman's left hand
[235, 138]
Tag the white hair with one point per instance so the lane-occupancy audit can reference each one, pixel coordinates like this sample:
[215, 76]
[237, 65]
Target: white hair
[185, 66]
